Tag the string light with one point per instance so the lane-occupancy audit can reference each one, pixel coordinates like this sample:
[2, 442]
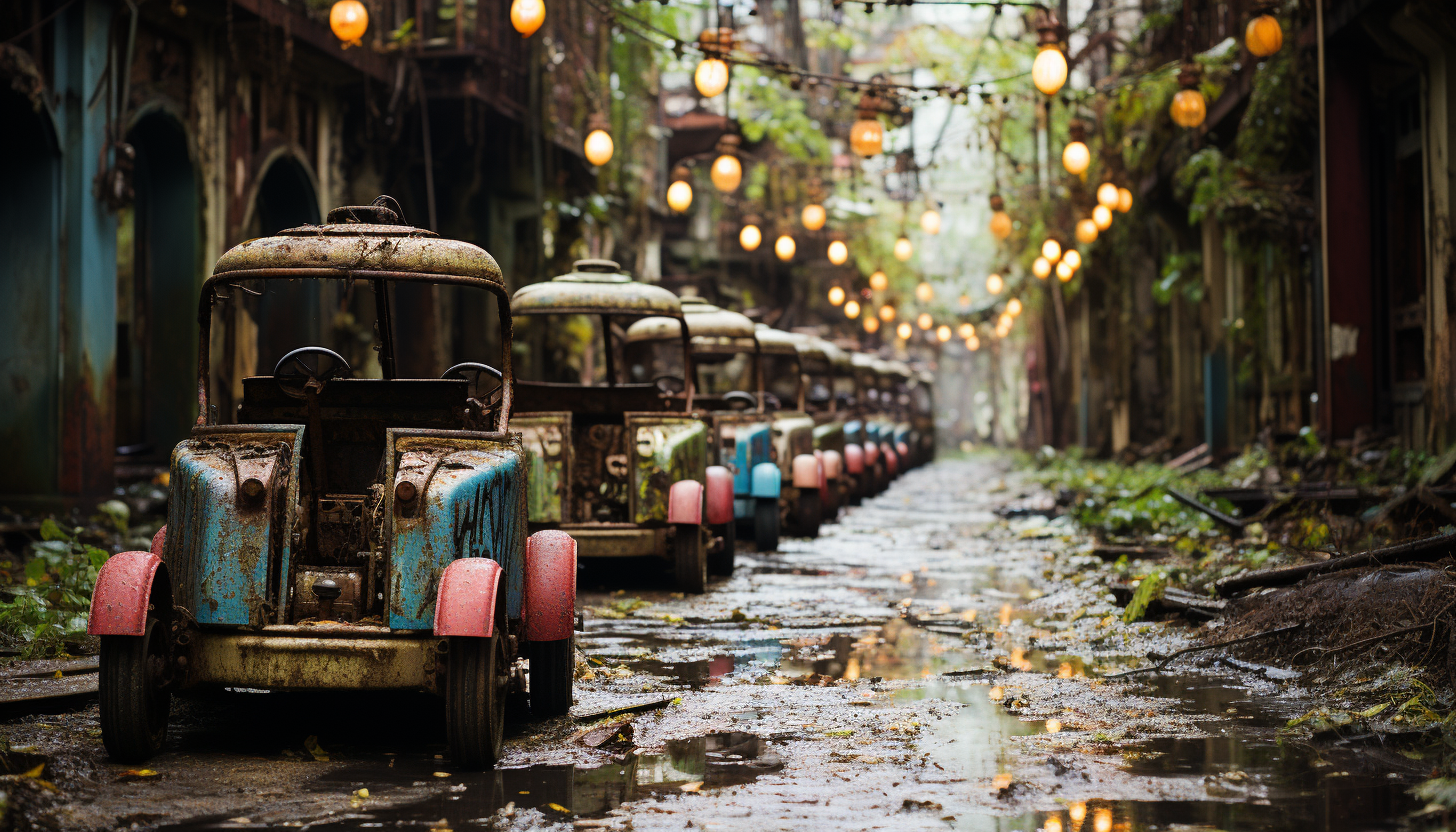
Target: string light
[836, 295]
[1102, 217]
[726, 173]
[1075, 156]
[1064, 271]
[1051, 250]
[966, 331]
[925, 321]
[1188, 109]
[813, 216]
[879, 281]
[851, 309]
[1263, 36]
[1124, 200]
[838, 252]
[1049, 70]
[1087, 229]
[750, 237]
[527, 16]
[1107, 194]
[965, 301]
[887, 313]
[680, 196]
[904, 330]
[994, 284]
[871, 325]
[784, 247]
[930, 221]
[942, 333]
[1014, 306]
[924, 293]
[1041, 267]
[1073, 258]
[903, 249]
[598, 147]
[867, 134]
[349, 20]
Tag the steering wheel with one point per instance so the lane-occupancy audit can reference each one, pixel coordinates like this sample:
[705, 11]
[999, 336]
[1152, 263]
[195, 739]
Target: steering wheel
[669, 385]
[293, 372]
[738, 397]
[772, 402]
[473, 373]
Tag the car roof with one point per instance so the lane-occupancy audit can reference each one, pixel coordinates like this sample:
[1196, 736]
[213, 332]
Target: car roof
[775, 340]
[355, 241]
[595, 287]
[708, 326]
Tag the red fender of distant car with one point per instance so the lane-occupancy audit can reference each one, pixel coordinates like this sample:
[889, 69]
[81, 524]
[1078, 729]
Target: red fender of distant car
[871, 453]
[806, 471]
[892, 461]
[685, 502]
[159, 540]
[903, 450]
[854, 461]
[550, 586]
[123, 593]
[720, 495]
[833, 465]
[465, 604]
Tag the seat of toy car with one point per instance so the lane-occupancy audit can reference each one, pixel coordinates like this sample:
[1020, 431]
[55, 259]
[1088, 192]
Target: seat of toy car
[538, 396]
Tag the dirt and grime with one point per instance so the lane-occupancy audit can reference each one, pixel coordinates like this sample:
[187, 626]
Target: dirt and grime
[925, 663]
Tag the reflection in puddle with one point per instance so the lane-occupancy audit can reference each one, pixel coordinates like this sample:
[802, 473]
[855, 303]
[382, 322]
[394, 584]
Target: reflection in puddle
[560, 792]
[898, 650]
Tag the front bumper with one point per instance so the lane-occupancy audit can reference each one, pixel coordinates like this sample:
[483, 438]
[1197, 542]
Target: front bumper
[286, 658]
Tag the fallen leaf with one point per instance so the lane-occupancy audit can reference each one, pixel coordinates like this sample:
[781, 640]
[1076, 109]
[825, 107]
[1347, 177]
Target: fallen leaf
[442, 774]
[361, 793]
[691, 787]
[559, 808]
[35, 772]
[311, 745]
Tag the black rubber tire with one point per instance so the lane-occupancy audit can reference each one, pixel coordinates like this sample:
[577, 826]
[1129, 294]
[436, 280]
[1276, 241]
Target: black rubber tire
[810, 512]
[475, 700]
[690, 559]
[831, 505]
[722, 561]
[552, 669]
[133, 711]
[766, 524]
[881, 478]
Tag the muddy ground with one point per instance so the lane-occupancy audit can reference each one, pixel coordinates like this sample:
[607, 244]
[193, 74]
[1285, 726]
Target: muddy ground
[923, 664]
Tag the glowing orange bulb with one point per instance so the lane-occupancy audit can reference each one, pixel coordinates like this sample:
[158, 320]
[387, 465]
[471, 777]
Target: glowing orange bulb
[1073, 258]
[1087, 230]
[942, 333]
[1051, 250]
[904, 330]
[1124, 200]
[903, 249]
[726, 173]
[924, 292]
[966, 331]
[1102, 217]
[1188, 108]
[784, 247]
[1076, 157]
[925, 321]
[813, 217]
[1107, 194]
[1064, 272]
[836, 295]
[851, 309]
[1000, 225]
[887, 313]
[527, 16]
[1041, 267]
[871, 325]
[879, 282]
[1263, 36]
[1014, 306]
[1049, 70]
[598, 147]
[930, 221]
[679, 196]
[711, 76]
[994, 284]
[349, 20]
[750, 237]
[838, 252]
[867, 137]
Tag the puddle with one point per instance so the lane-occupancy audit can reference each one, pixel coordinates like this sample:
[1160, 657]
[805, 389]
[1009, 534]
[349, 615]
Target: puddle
[560, 792]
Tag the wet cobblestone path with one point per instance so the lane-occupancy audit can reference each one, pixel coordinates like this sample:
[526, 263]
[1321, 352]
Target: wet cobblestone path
[923, 664]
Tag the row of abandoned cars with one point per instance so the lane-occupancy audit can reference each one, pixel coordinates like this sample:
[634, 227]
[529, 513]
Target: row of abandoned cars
[357, 525]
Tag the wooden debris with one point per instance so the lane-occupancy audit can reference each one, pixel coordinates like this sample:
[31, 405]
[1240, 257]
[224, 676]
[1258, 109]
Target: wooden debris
[1414, 551]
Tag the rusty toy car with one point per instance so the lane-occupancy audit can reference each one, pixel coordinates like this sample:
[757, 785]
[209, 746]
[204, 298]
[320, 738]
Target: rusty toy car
[343, 523]
[793, 431]
[618, 458]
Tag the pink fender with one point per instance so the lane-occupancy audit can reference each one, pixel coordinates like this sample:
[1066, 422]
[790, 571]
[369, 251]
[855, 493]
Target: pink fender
[892, 461]
[871, 454]
[854, 461]
[465, 604]
[159, 540]
[903, 450]
[123, 592]
[550, 608]
[720, 495]
[833, 465]
[685, 502]
[806, 471]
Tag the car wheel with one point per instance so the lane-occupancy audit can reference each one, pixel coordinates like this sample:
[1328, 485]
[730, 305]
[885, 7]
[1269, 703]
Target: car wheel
[722, 561]
[552, 669]
[134, 709]
[831, 503]
[476, 679]
[691, 558]
[766, 524]
[810, 512]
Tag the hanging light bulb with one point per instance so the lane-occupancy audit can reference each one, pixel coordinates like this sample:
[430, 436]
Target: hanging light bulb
[879, 281]
[973, 343]
[942, 333]
[750, 237]
[966, 331]
[867, 134]
[1000, 221]
[527, 16]
[994, 284]
[1124, 200]
[711, 76]
[851, 308]
[871, 325]
[598, 147]
[903, 249]
[813, 216]
[1049, 70]
[1073, 258]
[726, 173]
[784, 247]
[887, 313]
[1087, 229]
[1188, 109]
[1263, 36]
[836, 295]
[965, 300]
[679, 196]
[930, 221]
[349, 20]
[925, 321]
[1076, 157]
[924, 292]
[1064, 272]
[1013, 306]
[1102, 217]
[838, 252]
[904, 330]
[1051, 250]
[1107, 194]
[1041, 267]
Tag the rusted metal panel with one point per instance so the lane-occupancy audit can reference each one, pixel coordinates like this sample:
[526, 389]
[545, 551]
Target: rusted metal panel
[793, 434]
[223, 546]
[618, 542]
[465, 604]
[300, 662]
[550, 586]
[472, 504]
[123, 591]
[595, 287]
[547, 438]
[664, 450]
[359, 247]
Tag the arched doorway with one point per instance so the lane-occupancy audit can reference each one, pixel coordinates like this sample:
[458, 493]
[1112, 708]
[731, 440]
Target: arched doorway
[286, 199]
[29, 347]
[157, 278]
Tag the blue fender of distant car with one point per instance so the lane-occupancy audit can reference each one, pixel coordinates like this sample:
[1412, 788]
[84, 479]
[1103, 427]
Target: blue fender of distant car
[768, 480]
[752, 446]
